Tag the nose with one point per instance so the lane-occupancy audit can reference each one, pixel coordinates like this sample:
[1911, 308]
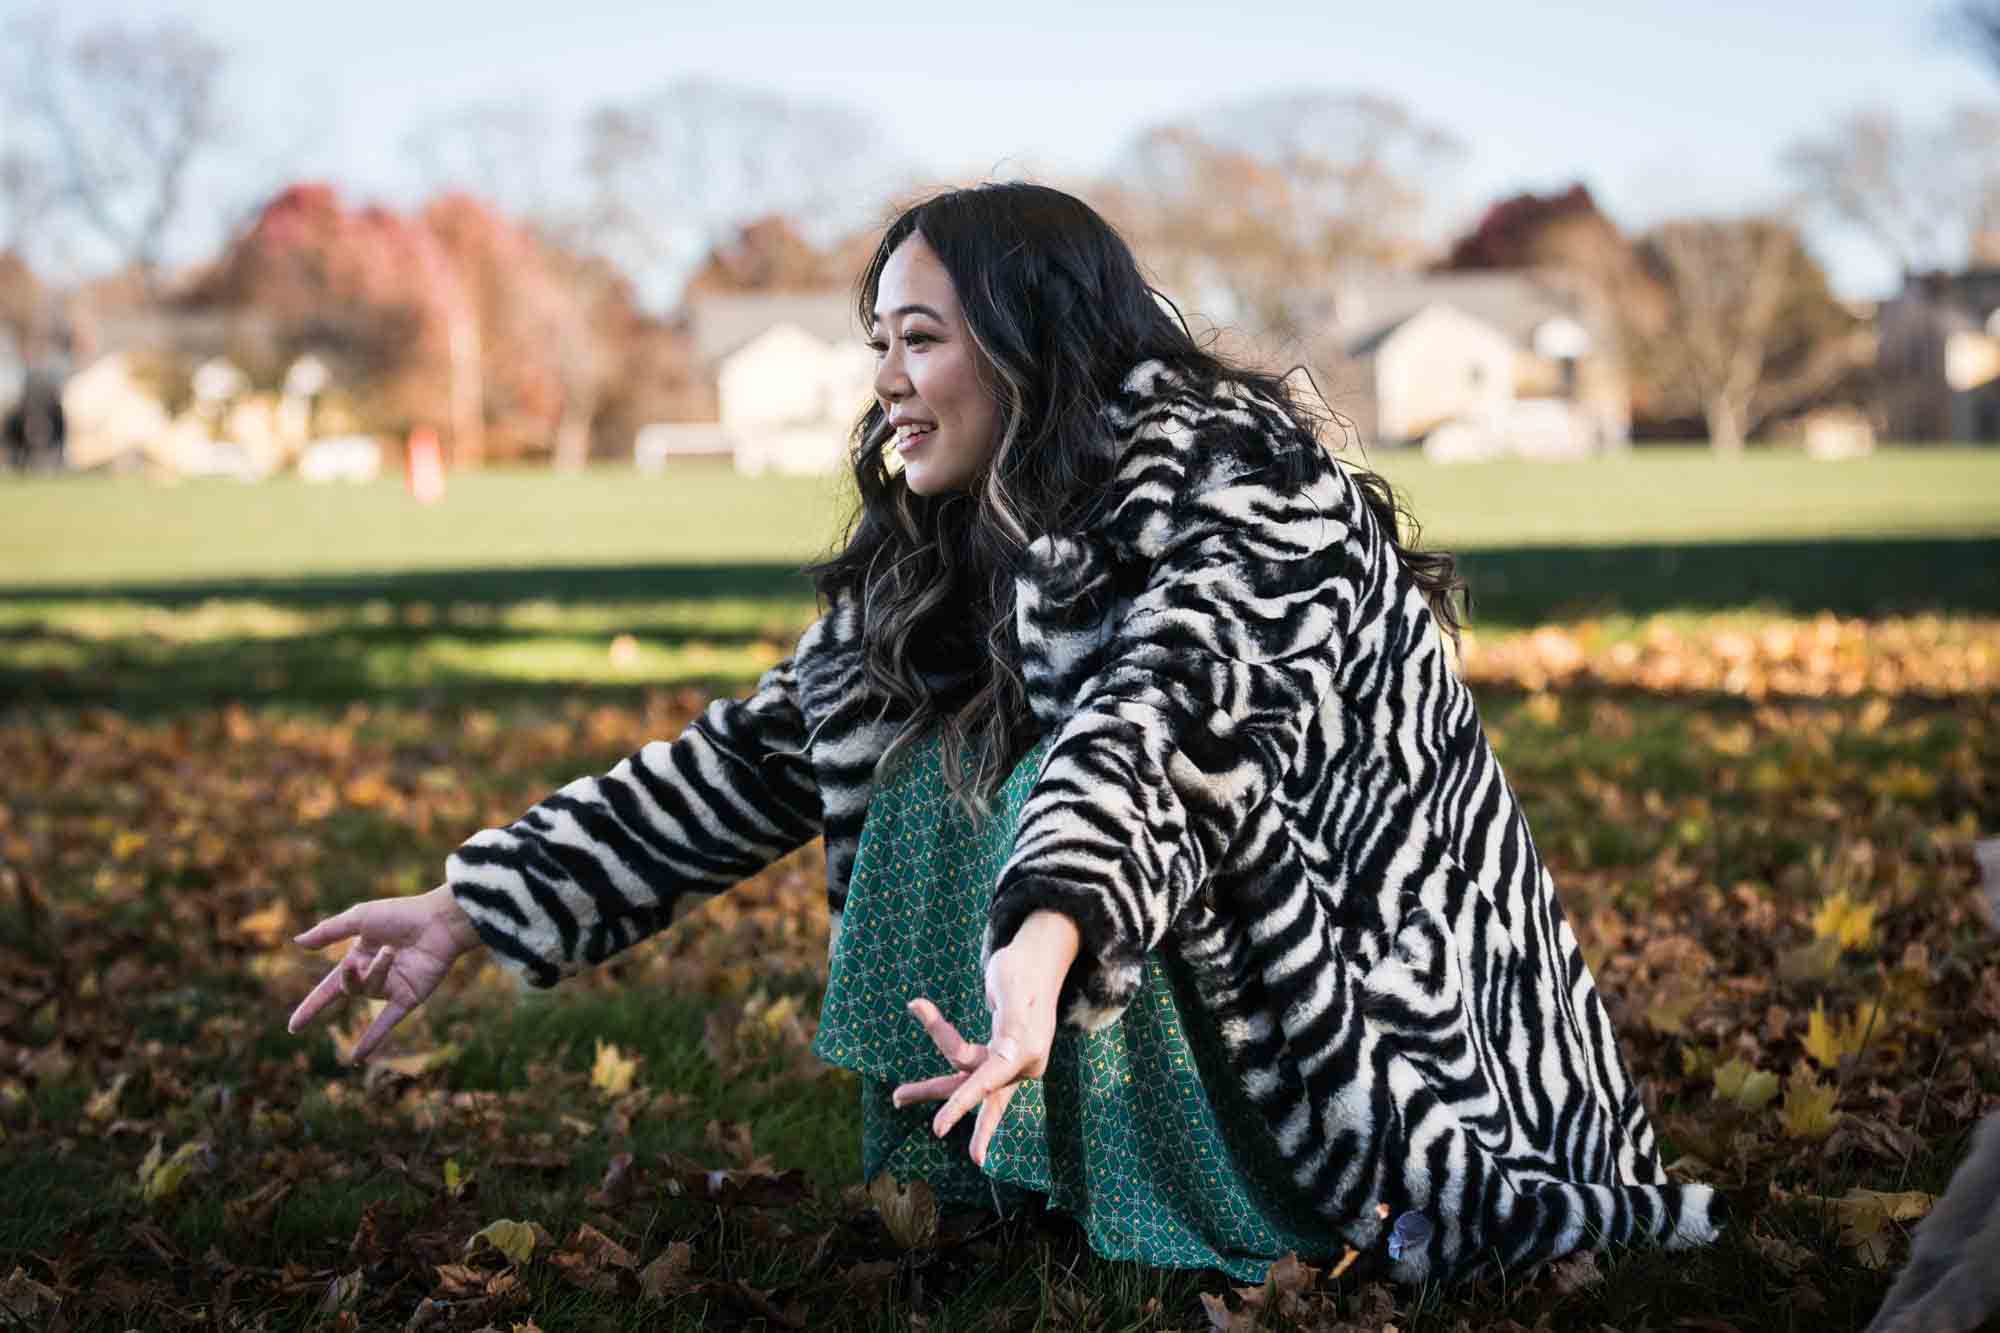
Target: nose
[891, 384]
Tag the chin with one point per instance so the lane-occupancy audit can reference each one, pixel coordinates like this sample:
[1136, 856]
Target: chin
[928, 481]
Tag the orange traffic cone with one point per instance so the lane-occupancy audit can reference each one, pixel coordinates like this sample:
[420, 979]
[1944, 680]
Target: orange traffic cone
[425, 469]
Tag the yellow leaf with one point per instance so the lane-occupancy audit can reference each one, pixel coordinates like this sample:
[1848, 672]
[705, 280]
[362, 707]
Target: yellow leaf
[455, 1180]
[104, 1105]
[162, 1179]
[1865, 1215]
[417, 1062]
[127, 844]
[1827, 1041]
[516, 1240]
[269, 925]
[1841, 918]
[613, 1072]
[1749, 1087]
[1808, 1110]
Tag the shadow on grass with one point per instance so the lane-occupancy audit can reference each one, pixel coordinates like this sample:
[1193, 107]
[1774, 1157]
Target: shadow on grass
[142, 674]
[1863, 577]
[497, 587]
[1515, 585]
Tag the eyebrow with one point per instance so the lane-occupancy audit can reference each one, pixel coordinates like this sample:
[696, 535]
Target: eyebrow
[876, 317]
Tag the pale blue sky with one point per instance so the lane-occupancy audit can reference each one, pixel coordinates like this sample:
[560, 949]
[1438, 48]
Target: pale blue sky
[1661, 108]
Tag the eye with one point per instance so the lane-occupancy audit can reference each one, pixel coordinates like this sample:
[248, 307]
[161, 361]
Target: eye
[877, 346]
[913, 338]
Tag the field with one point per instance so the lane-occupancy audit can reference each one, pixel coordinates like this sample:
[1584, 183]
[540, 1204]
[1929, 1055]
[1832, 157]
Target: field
[1750, 708]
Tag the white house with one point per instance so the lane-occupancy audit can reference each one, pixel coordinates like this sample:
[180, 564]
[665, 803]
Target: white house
[792, 374]
[1479, 364]
[1938, 357]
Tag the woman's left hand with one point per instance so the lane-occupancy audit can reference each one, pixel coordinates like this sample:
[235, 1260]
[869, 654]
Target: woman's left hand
[1023, 982]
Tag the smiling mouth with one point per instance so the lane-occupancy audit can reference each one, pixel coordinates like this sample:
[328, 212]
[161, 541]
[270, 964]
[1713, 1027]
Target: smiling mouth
[912, 437]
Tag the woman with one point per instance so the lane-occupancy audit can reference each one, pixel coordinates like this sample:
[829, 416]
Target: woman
[1140, 695]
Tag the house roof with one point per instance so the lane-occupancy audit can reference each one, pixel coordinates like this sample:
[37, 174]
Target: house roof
[722, 324]
[1516, 302]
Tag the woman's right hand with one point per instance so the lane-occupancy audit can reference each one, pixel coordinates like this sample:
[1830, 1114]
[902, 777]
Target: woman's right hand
[404, 946]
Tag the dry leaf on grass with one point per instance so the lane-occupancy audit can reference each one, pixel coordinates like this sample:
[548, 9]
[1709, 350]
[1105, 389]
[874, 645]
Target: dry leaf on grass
[669, 1274]
[909, 1211]
[515, 1240]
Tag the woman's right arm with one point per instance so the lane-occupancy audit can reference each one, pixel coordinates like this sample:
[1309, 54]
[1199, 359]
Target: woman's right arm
[605, 862]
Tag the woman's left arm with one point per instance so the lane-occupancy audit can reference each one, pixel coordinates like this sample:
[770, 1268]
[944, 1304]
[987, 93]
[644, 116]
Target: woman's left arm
[1200, 705]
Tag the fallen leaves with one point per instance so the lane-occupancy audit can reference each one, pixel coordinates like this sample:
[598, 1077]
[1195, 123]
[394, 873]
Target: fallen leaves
[1866, 1218]
[516, 1240]
[1808, 1110]
[1770, 875]
[1829, 1041]
[909, 1210]
[161, 1178]
[612, 1072]
[1744, 1086]
[1849, 923]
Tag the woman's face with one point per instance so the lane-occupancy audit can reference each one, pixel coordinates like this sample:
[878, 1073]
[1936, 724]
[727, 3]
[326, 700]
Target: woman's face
[927, 374]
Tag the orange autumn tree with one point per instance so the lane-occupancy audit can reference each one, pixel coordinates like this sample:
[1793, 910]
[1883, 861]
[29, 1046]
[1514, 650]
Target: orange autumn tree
[456, 317]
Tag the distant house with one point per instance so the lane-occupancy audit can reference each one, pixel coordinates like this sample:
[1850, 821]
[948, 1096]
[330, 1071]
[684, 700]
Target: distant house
[1937, 357]
[791, 374]
[1479, 364]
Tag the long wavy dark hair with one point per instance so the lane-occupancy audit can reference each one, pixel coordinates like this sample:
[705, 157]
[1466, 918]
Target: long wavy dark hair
[1059, 313]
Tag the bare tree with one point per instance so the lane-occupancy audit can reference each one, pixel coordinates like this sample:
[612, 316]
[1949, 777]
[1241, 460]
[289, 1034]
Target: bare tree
[28, 196]
[669, 175]
[501, 150]
[1977, 24]
[1925, 195]
[1255, 206]
[1751, 330]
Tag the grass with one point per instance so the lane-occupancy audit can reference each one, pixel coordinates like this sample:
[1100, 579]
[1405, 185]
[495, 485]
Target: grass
[144, 598]
[71, 532]
[216, 698]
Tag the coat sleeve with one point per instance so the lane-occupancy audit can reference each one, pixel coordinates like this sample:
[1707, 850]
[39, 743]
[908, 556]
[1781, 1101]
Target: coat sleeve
[1193, 717]
[603, 863]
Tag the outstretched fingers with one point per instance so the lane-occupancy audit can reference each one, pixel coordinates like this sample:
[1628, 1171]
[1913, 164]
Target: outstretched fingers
[392, 1014]
[350, 976]
[964, 1055]
[927, 1090]
[1003, 1067]
[990, 1111]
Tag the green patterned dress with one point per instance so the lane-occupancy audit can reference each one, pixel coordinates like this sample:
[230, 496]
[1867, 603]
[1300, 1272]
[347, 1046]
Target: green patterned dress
[1158, 1163]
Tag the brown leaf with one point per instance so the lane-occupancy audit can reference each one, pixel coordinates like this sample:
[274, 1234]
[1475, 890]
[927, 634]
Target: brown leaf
[26, 1300]
[1574, 1273]
[909, 1211]
[618, 1183]
[601, 1248]
[1780, 1254]
[253, 1210]
[368, 1246]
[668, 1275]
[1220, 1318]
[342, 1294]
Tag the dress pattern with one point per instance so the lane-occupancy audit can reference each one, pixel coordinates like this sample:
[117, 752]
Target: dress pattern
[1121, 1132]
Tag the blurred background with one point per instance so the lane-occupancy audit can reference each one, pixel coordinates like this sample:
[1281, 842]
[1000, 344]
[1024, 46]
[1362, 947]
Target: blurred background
[245, 240]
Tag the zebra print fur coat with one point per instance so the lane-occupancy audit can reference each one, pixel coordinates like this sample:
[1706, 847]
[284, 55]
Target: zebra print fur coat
[1264, 766]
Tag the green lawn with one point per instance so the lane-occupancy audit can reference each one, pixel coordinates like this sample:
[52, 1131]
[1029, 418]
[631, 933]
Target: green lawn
[67, 532]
